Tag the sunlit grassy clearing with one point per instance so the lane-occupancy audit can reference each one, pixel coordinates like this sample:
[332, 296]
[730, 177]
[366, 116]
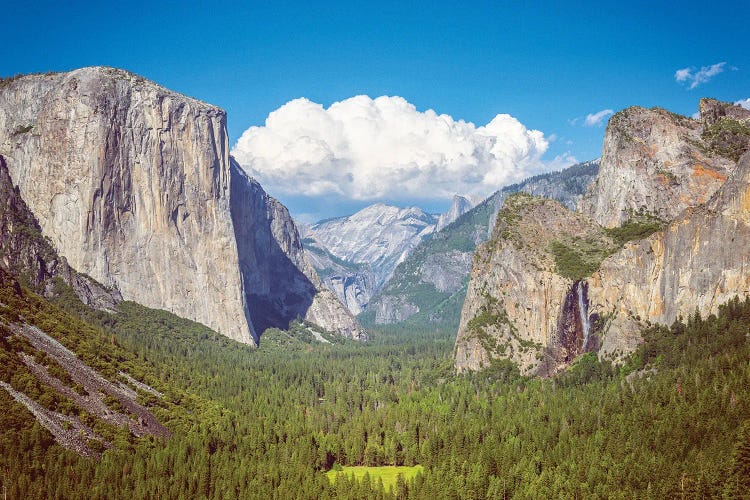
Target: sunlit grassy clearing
[388, 473]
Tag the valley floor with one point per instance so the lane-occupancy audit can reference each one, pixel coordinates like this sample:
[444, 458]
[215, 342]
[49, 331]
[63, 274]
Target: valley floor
[269, 423]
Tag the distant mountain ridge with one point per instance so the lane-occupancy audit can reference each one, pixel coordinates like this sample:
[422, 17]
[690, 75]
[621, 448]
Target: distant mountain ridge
[429, 286]
[355, 255]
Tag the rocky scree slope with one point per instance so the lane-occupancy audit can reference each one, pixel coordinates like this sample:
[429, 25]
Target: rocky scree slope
[601, 290]
[132, 184]
[430, 285]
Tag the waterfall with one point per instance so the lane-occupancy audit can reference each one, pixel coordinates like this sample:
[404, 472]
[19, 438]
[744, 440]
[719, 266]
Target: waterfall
[583, 311]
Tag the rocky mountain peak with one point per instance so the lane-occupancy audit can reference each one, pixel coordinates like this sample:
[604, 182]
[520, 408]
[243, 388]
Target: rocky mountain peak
[459, 206]
[379, 235]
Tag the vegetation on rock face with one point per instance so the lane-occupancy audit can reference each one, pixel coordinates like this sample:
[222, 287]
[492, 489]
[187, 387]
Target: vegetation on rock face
[637, 227]
[495, 331]
[727, 137]
[578, 258]
[441, 309]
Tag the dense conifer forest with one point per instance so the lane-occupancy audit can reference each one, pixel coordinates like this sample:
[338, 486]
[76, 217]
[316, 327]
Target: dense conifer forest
[674, 421]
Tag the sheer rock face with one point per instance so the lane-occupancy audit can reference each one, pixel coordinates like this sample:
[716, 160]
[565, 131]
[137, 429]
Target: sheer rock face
[515, 305]
[132, 184]
[656, 162]
[279, 282]
[712, 111]
[698, 262]
[26, 254]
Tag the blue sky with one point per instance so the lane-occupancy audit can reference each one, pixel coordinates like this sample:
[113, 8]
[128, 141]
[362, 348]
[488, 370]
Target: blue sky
[545, 63]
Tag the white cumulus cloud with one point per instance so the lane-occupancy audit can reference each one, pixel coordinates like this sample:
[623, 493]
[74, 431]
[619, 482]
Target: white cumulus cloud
[696, 77]
[745, 103]
[593, 119]
[364, 149]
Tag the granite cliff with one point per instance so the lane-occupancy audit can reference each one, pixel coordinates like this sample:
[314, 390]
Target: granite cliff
[280, 283]
[663, 233]
[132, 184]
[660, 163]
[26, 254]
[355, 255]
[701, 260]
[522, 301]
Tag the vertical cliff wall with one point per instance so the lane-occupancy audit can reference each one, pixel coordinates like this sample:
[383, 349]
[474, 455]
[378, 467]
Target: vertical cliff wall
[27, 255]
[583, 285]
[130, 182]
[698, 262]
[133, 184]
[656, 162]
[525, 301]
[279, 282]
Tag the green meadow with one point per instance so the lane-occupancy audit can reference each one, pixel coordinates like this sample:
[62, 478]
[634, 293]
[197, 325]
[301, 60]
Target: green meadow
[387, 473]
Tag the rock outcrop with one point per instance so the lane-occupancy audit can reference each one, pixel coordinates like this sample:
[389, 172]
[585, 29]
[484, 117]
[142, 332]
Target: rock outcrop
[698, 262]
[132, 184]
[552, 284]
[657, 162]
[355, 255]
[522, 301]
[379, 235]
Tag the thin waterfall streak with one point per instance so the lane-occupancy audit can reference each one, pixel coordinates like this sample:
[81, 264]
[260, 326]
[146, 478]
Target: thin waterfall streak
[584, 313]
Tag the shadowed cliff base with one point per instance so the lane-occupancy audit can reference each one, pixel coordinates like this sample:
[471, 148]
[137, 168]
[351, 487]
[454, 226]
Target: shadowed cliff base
[276, 290]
